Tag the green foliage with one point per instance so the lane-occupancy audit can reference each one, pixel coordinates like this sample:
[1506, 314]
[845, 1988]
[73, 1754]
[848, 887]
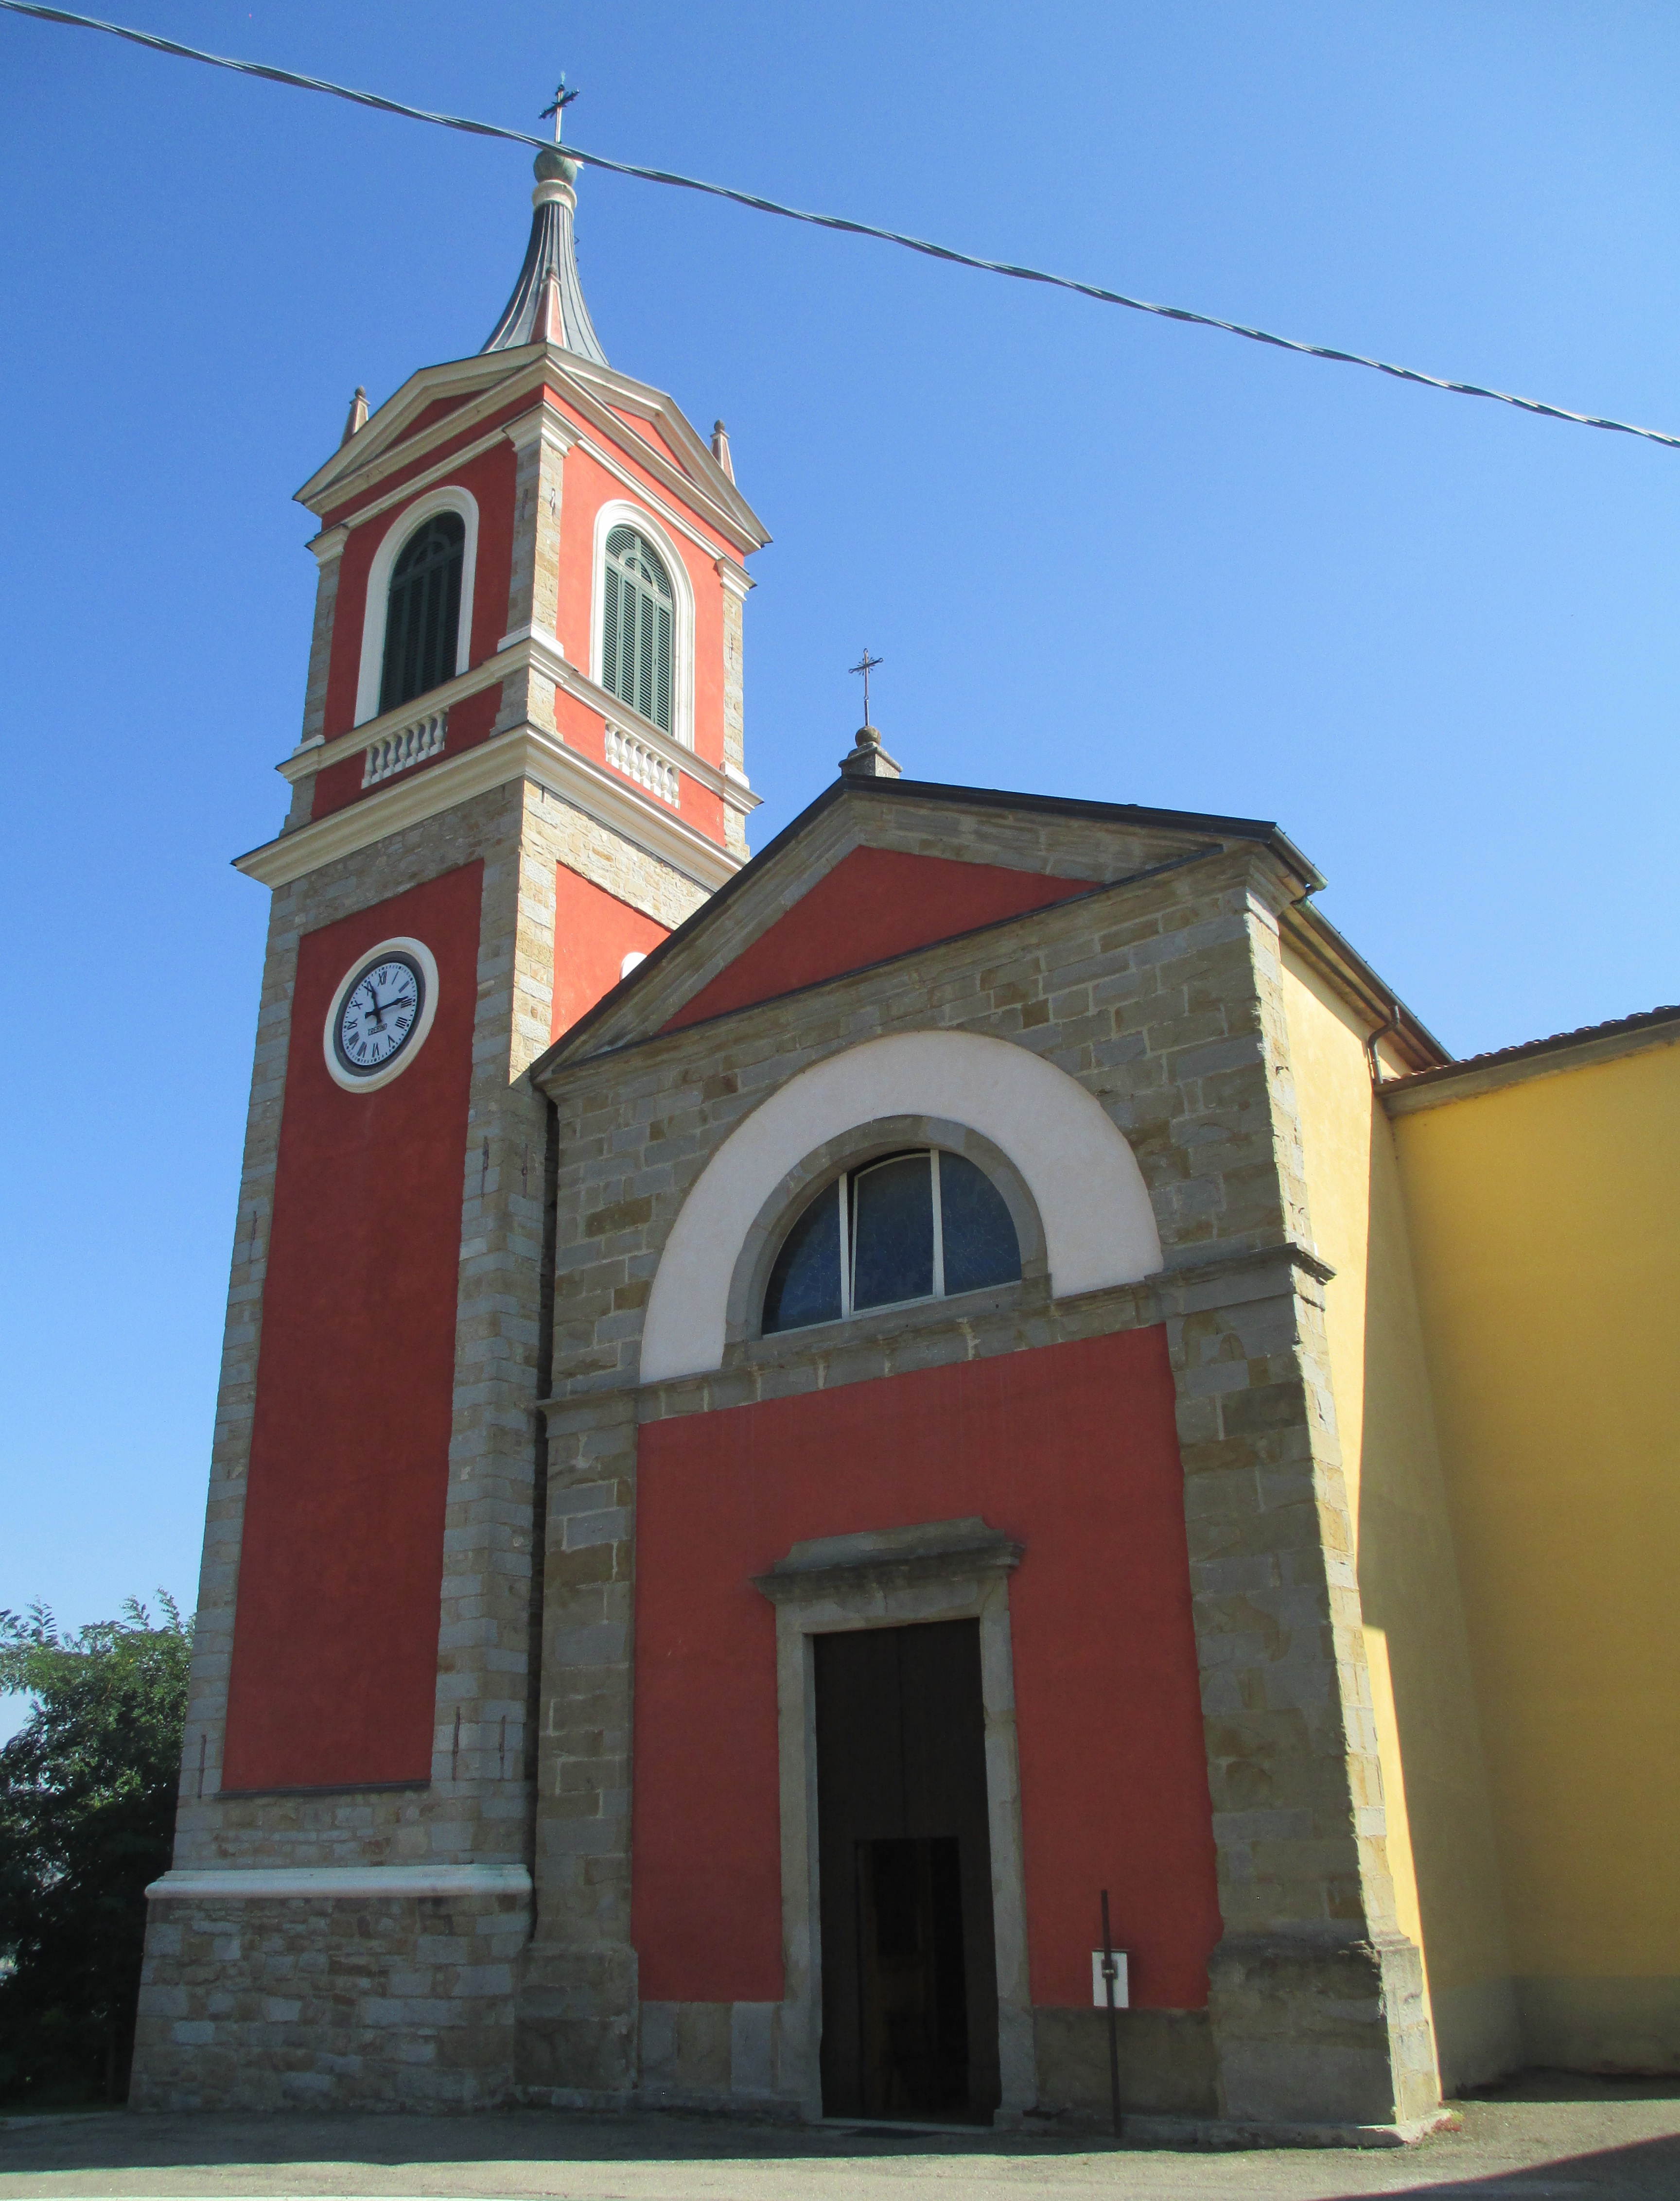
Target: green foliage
[87, 1816]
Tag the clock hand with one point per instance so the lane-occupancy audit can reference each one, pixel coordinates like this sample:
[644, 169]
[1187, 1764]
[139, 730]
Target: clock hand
[380, 1008]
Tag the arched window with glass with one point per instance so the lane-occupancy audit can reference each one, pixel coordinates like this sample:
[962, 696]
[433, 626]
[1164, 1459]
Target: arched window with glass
[923, 1225]
[637, 620]
[423, 611]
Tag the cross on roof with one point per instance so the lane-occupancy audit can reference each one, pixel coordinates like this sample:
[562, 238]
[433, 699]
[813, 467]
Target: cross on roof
[866, 665]
[562, 99]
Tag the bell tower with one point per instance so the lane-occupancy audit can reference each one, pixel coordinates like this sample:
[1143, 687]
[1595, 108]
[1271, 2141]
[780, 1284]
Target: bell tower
[520, 768]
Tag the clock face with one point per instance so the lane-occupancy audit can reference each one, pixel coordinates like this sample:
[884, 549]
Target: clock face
[379, 1013]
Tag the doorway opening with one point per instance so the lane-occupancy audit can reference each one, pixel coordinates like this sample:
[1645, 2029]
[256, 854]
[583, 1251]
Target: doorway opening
[909, 1967]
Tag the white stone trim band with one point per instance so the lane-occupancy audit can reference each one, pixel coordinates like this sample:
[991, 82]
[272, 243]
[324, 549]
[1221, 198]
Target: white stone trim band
[248, 1884]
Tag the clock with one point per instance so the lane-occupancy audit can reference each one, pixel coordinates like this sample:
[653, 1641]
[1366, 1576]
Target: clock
[382, 1010]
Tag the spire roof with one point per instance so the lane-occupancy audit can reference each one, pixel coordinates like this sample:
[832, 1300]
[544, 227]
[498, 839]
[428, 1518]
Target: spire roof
[550, 261]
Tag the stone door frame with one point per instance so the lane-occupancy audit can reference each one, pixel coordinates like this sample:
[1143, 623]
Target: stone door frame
[896, 1578]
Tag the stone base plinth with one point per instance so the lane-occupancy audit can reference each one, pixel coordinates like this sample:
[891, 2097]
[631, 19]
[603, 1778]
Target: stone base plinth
[576, 2026]
[1314, 2027]
[1166, 2061]
[405, 2003]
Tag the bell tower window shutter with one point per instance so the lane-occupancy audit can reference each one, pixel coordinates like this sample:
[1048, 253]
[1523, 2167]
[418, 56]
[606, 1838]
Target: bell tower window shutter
[637, 626]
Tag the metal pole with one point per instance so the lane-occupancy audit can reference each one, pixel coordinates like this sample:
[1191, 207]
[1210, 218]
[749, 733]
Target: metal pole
[1111, 1972]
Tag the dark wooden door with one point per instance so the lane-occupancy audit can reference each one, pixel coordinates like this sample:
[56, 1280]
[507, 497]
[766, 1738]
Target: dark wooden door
[909, 1970]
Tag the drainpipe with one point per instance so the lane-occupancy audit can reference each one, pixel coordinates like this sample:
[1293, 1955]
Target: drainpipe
[1382, 1032]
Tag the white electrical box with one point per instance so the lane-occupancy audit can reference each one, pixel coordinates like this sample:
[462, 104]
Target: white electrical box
[1100, 1985]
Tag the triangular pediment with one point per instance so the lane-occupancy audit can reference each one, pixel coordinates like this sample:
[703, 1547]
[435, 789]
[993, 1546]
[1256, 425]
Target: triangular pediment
[880, 869]
[875, 904]
[440, 404]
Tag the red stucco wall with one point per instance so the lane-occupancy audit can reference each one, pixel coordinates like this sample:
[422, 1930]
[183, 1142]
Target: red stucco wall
[1073, 1450]
[335, 1643]
[589, 485]
[490, 477]
[594, 931]
[874, 903]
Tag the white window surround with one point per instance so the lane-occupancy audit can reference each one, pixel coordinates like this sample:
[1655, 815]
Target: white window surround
[1099, 1226]
[616, 512]
[451, 497]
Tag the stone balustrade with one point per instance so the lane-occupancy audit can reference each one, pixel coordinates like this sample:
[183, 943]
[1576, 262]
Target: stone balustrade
[407, 746]
[643, 764]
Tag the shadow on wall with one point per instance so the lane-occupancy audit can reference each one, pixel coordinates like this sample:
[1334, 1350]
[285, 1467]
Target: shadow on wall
[1419, 1655]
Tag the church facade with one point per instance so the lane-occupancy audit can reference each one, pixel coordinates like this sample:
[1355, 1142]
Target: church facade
[790, 1427]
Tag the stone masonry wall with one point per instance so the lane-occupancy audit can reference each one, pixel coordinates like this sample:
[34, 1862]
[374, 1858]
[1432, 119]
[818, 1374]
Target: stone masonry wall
[306, 2004]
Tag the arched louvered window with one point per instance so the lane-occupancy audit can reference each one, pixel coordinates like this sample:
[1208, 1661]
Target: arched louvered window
[636, 626]
[423, 613]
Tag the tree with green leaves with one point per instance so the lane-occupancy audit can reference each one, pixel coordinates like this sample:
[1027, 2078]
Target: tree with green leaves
[87, 1819]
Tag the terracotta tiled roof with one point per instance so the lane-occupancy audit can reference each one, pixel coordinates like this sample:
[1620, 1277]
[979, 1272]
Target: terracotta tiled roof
[1645, 1020]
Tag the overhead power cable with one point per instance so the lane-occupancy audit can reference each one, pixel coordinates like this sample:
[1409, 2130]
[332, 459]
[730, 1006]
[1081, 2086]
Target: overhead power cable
[150, 39]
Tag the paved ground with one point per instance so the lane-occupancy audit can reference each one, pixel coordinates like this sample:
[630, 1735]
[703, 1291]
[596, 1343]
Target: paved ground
[1542, 2137]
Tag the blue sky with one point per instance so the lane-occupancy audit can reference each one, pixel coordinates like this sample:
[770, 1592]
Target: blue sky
[1101, 554]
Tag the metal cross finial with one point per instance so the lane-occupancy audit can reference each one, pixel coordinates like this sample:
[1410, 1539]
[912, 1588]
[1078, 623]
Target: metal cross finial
[866, 665]
[562, 99]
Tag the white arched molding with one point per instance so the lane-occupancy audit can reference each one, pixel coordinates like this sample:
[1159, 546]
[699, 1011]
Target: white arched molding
[450, 498]
[1099, 1227]
[617, 512]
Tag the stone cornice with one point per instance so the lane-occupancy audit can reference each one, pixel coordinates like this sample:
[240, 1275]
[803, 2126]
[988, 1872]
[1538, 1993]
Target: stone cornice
[935, 1551]
[526, 751]
[1198, 1280]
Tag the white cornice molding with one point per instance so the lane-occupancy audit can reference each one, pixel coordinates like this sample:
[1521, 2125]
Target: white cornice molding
[649, 498]
[380, 443]
[526, 752]
[255, 1883]
[348, 473]
[547, 641]
[737, 582]
[413, 485]
[328, 543]
[603, 393]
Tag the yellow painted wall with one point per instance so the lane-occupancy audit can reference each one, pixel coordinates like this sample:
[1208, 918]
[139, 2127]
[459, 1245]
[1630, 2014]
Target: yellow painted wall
[1545, 1226]
[1441, 1844]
